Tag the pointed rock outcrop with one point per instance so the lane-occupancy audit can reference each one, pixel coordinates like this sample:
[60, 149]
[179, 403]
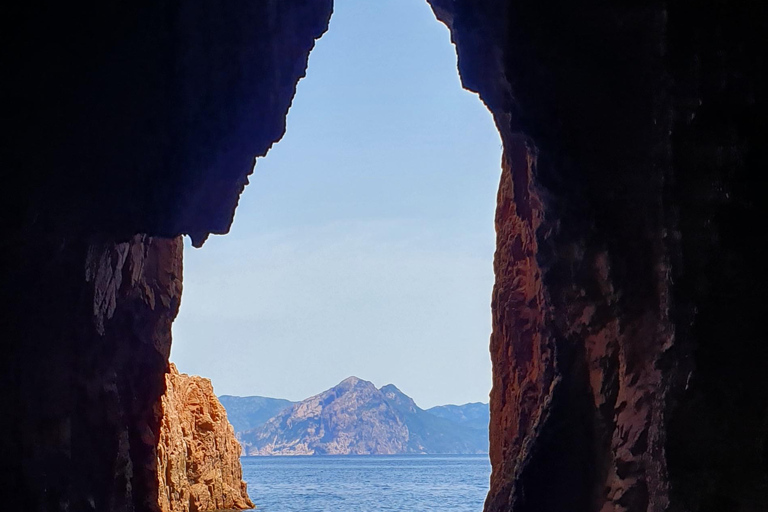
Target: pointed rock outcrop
[198, 456]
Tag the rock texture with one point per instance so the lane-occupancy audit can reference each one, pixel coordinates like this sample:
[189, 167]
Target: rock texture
[355, 418]
[131, 123]
[198, 456]
[629, 368]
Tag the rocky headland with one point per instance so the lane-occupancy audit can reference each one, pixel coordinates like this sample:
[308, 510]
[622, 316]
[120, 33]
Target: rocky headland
[356, 418]
[198, 456]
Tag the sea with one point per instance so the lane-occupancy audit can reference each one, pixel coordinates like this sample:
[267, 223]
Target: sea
[368, 483]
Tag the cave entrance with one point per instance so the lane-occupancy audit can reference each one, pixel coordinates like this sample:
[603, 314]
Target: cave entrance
[362, 247]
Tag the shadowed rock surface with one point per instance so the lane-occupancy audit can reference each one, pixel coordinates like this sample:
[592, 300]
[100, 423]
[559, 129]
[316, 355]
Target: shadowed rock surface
[133, 122]
[355, 418]
[629, 365]
[198, 456]
[85, 419]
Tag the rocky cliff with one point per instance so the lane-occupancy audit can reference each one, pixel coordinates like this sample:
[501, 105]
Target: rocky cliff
[624, 220]
[133, 123]
[355, 418]
[198, 457]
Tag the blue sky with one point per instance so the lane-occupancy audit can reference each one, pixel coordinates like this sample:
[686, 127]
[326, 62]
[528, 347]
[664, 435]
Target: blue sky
[364, 242]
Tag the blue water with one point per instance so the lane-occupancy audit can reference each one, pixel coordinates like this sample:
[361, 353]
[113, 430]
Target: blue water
[408, 483]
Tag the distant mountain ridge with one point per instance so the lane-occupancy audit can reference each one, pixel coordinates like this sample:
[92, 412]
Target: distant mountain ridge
[354, 417]
[248, 412]
[475, 414]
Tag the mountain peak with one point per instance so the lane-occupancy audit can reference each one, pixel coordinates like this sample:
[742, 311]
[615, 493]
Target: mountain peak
[398, 398]
[355, 383]
[354, 417]
[391, 388]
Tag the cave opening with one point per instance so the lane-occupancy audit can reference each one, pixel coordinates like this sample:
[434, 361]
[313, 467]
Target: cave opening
[628, 345]
[362, 246]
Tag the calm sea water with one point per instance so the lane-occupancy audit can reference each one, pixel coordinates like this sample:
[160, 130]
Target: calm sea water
[412, 483]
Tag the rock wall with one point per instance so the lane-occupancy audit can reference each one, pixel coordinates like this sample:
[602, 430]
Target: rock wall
[629, 365]
[198, 456]
[129, 124]
[90, 326]
[148, 118]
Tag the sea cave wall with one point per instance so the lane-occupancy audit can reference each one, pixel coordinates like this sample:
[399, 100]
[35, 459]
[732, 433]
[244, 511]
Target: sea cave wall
[130, 123]
[629, 350]
[629, 365]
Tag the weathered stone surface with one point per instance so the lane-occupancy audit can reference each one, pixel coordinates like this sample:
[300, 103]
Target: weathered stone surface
[630, 142]
[96, 327]
[125, 118]
[198, 456]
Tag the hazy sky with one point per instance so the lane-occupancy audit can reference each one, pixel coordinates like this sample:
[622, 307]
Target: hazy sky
[364, 243]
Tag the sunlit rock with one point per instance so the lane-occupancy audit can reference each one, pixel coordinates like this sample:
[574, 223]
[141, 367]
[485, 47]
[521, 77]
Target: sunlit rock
[198, 456]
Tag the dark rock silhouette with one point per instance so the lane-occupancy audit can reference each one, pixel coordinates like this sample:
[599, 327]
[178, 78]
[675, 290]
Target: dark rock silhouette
[629, 350]
[132, 124]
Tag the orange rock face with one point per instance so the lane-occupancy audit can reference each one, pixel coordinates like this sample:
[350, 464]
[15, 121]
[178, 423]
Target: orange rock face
[522, 354]
[577, 395]
[198, 456]
[628, 365]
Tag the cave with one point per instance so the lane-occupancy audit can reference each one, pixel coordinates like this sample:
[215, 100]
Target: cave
[630, 363]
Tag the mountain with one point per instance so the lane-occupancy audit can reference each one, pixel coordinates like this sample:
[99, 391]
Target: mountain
[475, 415]
[354, 417]
[248, 412]
[429, 433]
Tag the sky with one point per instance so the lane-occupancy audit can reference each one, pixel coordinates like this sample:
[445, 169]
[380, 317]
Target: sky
[363, 244]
